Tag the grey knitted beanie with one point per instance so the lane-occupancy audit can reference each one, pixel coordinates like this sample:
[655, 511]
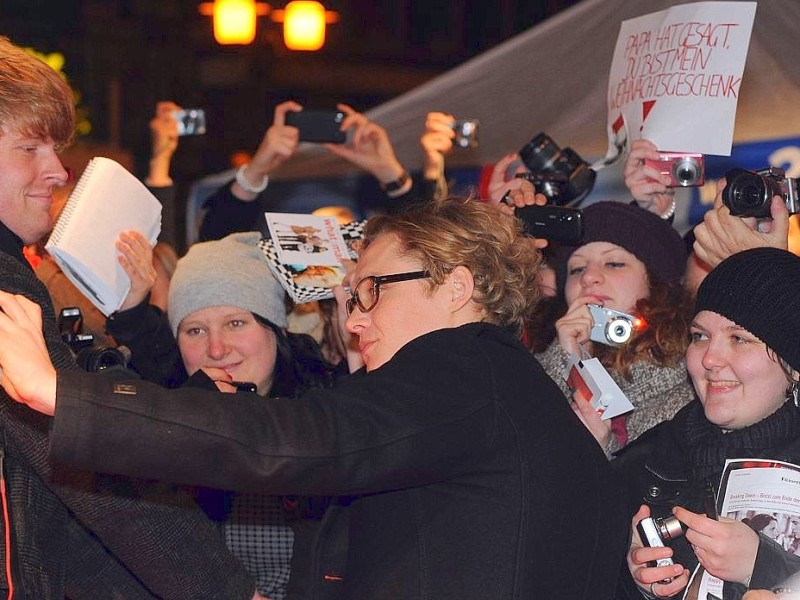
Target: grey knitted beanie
[227, 272]
[759, 290]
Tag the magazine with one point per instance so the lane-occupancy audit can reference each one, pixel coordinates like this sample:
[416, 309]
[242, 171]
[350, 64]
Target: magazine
[305, 253]
[755, 488]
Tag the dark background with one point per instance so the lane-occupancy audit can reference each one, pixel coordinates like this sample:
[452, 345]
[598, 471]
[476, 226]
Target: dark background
[122, 56]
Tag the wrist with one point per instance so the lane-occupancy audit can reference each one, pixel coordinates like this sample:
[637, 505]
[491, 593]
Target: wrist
[250, 180]
[670, 210]
[389, 173]
[399, 186]
[158, 173]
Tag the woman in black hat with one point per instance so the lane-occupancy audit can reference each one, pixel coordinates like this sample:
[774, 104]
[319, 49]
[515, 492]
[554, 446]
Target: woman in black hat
[632, 261]
[743, 359]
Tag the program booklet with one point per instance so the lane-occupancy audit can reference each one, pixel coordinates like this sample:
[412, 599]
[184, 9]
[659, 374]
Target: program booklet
[106, 201]
[305, 253]
[759, 491]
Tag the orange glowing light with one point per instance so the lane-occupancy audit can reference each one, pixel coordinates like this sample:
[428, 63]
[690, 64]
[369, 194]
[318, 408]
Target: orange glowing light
[234, 20]
[304, 25]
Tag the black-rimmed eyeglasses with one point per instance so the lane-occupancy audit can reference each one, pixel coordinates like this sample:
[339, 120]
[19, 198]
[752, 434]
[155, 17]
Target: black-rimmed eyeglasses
[367, 291]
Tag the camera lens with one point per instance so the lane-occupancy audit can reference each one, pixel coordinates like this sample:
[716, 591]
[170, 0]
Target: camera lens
[669, 528]
[542, 156]
[618, 330]
[539, 153]
[687, 172]
[747, 194]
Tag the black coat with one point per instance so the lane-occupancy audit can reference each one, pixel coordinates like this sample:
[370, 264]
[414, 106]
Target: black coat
[475, 477]
[669, 465]
[65, 520]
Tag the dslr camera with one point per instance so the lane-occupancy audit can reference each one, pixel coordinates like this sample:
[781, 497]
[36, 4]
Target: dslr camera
[92, 358]
[657, 532]
[562, 175]
[611, 327]
[684, 169]
[749, 193]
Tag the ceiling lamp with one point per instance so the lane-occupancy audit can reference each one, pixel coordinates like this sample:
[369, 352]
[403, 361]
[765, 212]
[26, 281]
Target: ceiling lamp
[304, 21]
[234, 20]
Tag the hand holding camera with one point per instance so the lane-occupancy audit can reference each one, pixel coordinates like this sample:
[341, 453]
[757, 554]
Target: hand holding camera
[726, 548]
[612, 327]
[721, 234]
[651, 565]
[562, 175]
[278, 144]
[369, 147]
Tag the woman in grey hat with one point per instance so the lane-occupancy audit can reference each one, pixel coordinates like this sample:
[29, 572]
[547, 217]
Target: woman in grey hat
[228, 315]
[744, 362]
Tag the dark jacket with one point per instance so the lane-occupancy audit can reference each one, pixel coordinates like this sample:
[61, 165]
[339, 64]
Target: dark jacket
[670, 464]
[224, 213]
[69, 524]
[476, 478]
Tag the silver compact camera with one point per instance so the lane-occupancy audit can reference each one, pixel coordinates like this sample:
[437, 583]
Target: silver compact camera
[749, 193]
[655, 532]
[611, 327]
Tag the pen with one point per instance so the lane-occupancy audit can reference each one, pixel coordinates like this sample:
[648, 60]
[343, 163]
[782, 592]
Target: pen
[83, 283]
[710, 498]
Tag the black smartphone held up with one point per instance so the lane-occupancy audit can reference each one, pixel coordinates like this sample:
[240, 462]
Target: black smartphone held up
[318, 126]
[554, 223]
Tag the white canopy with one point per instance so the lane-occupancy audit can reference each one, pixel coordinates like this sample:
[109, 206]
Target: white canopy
[554, 78]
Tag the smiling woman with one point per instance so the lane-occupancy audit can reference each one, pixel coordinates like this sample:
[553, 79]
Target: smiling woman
[744, 362]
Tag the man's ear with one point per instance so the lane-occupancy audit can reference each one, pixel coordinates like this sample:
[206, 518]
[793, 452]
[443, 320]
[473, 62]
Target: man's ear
[462, 286]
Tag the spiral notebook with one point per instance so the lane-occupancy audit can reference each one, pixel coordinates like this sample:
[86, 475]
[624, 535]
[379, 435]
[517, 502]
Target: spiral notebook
[106, 201]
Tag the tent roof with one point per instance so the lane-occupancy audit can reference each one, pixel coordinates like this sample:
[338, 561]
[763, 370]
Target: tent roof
[554, 78]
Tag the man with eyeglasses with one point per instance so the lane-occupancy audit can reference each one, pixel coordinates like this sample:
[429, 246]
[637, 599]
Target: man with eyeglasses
[472, 476]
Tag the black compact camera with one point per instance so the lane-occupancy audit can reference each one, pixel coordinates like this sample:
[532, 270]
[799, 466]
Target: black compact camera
[657, 532]
[749, 193]
[561, 169]
[91, 357]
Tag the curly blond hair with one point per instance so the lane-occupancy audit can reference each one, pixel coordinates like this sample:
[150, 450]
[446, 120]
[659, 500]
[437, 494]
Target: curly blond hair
[34, 99]
[464, 232]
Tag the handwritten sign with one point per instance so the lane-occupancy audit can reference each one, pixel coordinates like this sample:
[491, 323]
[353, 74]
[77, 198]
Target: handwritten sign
[676, 77]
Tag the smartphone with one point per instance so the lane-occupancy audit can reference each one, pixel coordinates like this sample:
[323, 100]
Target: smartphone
[191, 121]
[244, 386]
[318, 126]
[554, 223]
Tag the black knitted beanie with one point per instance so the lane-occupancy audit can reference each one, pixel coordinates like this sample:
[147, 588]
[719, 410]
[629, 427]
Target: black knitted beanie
[759, 290]
[647, 236]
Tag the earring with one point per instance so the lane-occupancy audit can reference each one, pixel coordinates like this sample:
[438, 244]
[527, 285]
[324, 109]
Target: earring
[794, 393]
